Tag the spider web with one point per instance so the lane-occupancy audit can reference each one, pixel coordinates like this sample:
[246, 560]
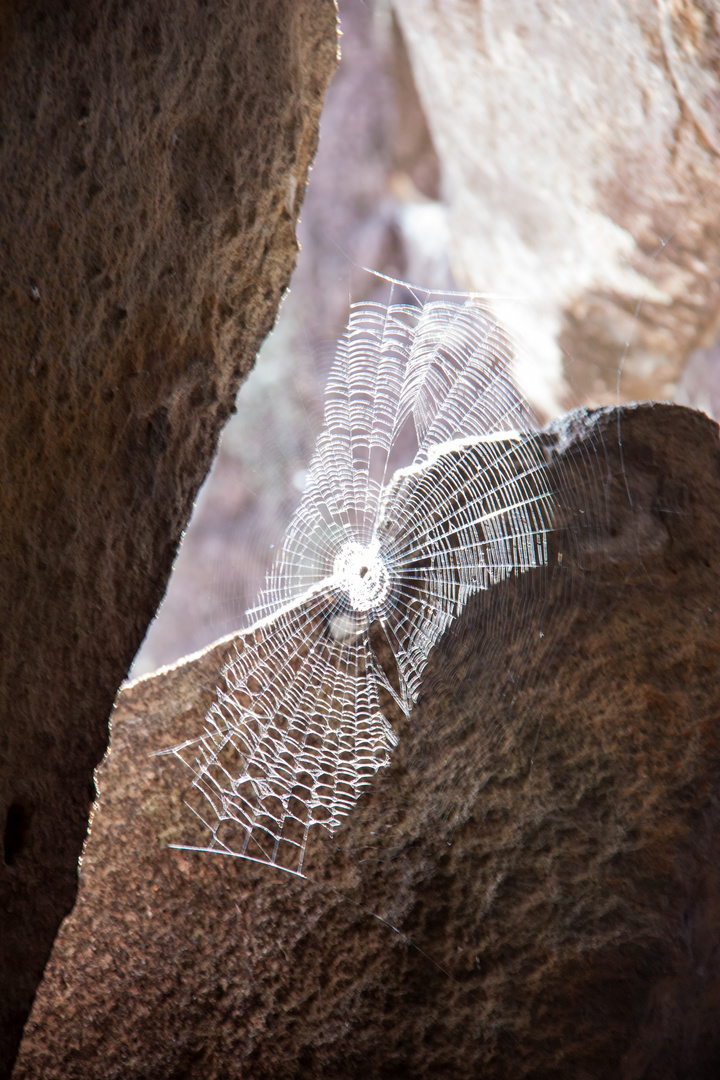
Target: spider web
[299, 728]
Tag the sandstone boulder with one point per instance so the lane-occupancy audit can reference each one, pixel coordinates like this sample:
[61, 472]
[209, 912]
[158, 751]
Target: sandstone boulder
[153, 160]
[529, 890]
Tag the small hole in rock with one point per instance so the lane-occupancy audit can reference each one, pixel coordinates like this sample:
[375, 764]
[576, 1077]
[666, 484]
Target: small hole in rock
[363, 571]
[17, 824]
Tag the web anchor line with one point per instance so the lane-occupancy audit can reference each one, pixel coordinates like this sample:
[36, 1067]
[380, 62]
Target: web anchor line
[297, 731]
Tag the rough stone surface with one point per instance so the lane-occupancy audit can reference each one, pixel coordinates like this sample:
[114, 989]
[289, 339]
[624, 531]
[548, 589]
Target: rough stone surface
[579, 147]
[548, 908]
[153, 158]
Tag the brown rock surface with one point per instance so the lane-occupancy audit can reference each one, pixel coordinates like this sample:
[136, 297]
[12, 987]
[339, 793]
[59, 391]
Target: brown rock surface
[153, 159]
[579, 147]
[546, 910]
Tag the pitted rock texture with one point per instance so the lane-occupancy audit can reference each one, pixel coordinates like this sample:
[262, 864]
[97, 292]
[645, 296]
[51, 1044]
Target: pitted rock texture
[546, 908]
[579, 146]
[153, 160]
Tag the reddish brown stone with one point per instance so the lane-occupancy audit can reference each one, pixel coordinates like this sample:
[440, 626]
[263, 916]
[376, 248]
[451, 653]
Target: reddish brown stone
[153, 159]
[530, 889]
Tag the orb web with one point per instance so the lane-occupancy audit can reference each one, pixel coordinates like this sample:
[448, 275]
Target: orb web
[298, 730]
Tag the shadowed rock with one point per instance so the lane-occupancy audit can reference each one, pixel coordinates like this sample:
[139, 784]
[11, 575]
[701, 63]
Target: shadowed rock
[528, 890]
[153, 162]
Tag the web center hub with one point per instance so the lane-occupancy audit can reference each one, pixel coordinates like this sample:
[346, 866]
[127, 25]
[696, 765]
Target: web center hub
[363, 575]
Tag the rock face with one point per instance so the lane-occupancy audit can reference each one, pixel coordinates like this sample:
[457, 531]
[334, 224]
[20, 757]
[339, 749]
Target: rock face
[530, 889]
[579, 147]
[153, 162]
